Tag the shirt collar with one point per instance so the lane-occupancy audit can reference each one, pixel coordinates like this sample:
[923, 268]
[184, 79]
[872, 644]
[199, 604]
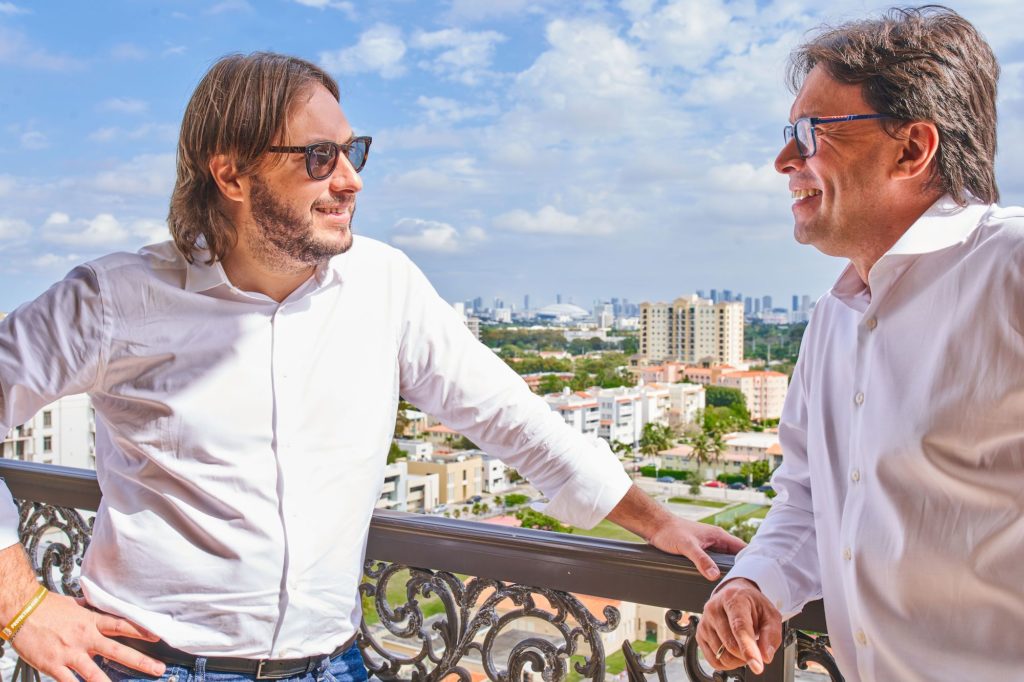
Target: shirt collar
[944, 224]
[200, 276]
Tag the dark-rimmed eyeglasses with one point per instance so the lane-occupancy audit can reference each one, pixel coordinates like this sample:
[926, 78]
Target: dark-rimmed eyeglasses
[322, 157]
[803, 130]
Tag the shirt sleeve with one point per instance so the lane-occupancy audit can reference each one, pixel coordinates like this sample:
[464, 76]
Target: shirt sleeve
[49, 348]
[783, 558]
[446, 372]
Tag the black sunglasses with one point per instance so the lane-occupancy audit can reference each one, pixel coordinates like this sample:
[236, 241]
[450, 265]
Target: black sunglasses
[322, 157]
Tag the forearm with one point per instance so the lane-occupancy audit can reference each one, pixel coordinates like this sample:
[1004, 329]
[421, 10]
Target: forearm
[637, 512]
[17, 582]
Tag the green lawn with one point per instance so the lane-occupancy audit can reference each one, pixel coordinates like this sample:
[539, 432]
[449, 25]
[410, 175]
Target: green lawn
[737, 514]
[714, 504]
[614, 663]
[607, 529]
[397, 597]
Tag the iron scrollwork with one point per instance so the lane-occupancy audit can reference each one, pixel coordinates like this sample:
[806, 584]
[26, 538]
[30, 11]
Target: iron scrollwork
[685, 648]
[471, 609]
[811, 649]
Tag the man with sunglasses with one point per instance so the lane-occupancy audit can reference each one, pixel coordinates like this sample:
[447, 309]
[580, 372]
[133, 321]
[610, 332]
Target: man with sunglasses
[245, 378]
[900, 493]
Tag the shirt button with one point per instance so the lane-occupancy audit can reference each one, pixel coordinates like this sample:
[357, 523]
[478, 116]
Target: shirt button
[847, 554]
[855, 475]
[872, 323]
[862, 639]
[859, 398]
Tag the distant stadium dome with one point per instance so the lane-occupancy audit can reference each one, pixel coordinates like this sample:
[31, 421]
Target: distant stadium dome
[562, 311]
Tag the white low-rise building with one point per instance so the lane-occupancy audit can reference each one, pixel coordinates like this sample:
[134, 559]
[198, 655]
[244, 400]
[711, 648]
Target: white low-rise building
[63, 432]
[685, 402]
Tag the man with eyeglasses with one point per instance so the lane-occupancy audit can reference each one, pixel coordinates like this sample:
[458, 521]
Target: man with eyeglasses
[245, 378]
[902, 484]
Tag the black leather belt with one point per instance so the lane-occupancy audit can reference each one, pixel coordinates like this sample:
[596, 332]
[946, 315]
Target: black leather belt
[261, 669]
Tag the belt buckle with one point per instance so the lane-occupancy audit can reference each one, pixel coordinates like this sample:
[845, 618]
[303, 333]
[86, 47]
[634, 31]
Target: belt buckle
[269, 676]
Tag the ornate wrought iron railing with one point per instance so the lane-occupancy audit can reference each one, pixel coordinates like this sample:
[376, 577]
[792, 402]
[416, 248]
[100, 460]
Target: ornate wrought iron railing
[503, 601]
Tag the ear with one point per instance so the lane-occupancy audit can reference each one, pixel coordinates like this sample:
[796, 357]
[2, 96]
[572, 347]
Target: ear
[225, 174]
[920, 142]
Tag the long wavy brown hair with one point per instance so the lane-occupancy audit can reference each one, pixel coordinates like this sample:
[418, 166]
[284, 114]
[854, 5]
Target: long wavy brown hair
[239, 109]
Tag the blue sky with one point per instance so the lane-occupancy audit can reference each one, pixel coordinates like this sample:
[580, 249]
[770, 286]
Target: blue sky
[593, 149]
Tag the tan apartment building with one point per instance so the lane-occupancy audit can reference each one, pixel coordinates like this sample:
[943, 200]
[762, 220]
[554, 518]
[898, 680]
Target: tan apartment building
[460, 476]
[692, 330]
[765, 391]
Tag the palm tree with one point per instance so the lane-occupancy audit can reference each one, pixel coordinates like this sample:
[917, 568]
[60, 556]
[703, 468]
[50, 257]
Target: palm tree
[707, 448]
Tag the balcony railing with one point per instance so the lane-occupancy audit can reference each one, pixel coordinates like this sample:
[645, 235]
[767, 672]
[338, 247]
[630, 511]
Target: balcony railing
[516, 617]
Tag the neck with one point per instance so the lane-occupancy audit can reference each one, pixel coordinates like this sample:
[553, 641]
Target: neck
[899, 218]
[276, 280]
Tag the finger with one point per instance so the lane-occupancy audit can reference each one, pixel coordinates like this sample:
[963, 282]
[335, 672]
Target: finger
[769, 638]
[62, 674]
[125, 655]
[723, 542]
[88, 670]
[119, 627]
[743, 644]
[705, 564]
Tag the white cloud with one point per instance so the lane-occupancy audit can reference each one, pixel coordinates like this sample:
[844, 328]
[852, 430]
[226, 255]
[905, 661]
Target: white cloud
[475, 10]
[33, 139]
[14, 228]
[129, 51]
[380, 49]
[123, 105]
[346, 7]
[17, 50]
[463, 56]
[10, 8]
[173, 50]
[686, 33]
[762, 179]
[7, 183]
[229, 6]
[102, 230]
[146, 174]
[49, 260]
[429, 235]
[548, 220]
[160, 132]
[447, 111]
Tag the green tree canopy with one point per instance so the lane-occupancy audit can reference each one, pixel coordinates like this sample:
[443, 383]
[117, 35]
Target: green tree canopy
[534, 519]
[654, 438]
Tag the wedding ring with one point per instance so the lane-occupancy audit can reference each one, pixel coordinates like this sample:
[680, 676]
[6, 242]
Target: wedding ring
[721, 650]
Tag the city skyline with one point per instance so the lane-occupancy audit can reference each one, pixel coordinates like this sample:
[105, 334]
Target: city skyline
[611, 147]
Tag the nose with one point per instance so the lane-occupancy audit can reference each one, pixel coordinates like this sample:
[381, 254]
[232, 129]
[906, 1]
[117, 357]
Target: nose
[789, 159]
[344, 178]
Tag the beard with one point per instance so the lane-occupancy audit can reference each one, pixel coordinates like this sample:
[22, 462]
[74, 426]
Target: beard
[284, 237]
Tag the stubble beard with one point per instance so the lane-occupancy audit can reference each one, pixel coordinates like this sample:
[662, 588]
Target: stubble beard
[284, 238]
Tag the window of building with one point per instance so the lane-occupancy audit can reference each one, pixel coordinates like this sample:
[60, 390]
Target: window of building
[47, 419]
[47, 443]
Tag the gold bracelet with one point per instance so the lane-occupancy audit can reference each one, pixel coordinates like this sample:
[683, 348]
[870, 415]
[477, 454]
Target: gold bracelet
[8, 633]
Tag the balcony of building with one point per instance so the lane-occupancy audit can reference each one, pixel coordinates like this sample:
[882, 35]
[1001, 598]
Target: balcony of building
[456, 600]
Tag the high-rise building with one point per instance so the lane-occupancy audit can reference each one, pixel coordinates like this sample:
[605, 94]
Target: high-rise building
[692, 330]
[796, 303]
[748, 306]
[727, 295]
[714, 295]
[526, 302]
[766, 302]
[558, 298]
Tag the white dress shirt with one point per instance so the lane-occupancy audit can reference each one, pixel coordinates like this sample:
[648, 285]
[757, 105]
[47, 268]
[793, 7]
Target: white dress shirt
[241, 443]
[902, 485]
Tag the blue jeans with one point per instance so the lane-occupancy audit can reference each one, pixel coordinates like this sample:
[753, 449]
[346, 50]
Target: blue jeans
[345, 667]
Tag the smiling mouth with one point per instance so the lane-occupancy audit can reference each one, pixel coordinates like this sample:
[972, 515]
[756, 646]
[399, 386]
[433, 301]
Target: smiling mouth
[801, 194]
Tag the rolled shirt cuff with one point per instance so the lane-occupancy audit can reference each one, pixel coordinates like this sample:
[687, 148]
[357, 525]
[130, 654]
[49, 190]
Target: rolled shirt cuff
[769, 577]
[587, 499]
